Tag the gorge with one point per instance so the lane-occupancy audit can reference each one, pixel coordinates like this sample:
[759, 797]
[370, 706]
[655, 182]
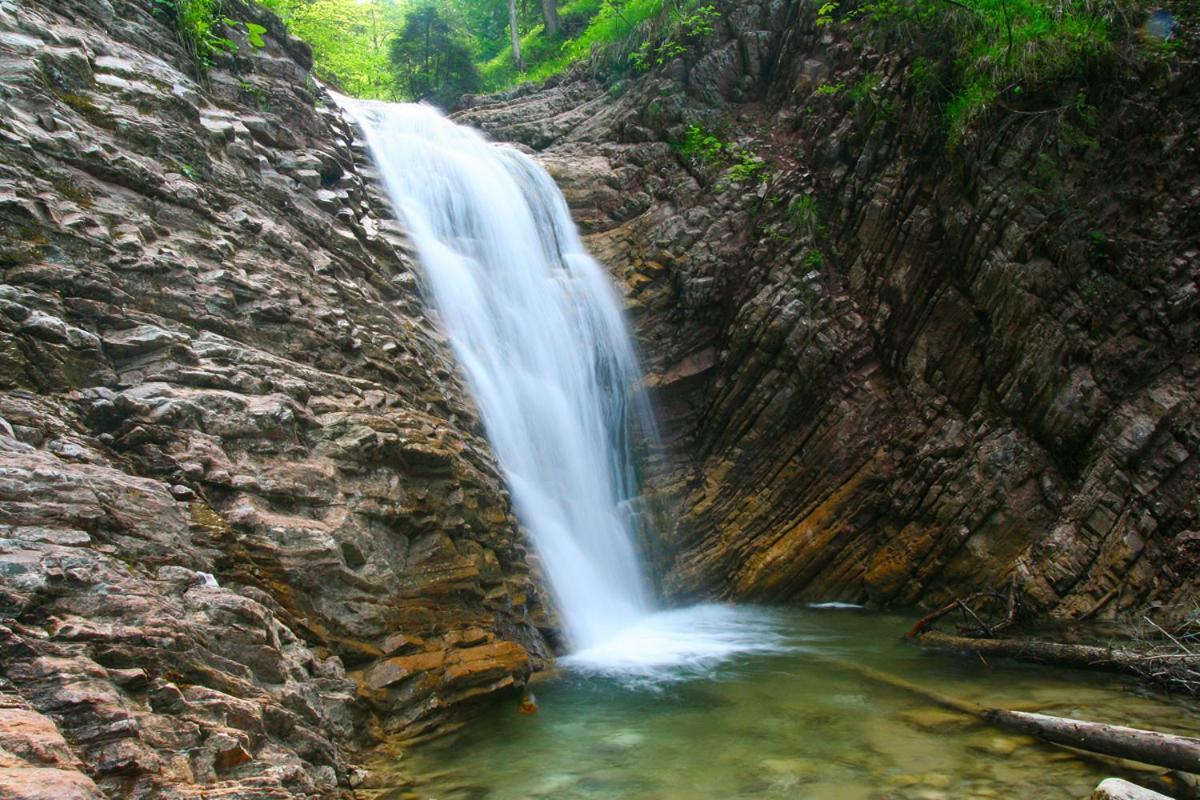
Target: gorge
[270, 498]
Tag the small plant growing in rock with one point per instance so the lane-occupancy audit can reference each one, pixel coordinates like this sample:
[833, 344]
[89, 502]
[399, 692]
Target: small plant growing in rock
[700, 145]
[748, 168]
[804, 212]
[197, 24]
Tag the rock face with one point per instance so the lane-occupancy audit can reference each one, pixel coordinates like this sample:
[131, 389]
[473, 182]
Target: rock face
[887, 372]
[248, 518]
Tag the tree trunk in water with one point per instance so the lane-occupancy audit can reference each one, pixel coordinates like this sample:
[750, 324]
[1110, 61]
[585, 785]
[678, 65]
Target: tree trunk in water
[1067, 655]
[550, 16]
[1149, 747]
[516, 35]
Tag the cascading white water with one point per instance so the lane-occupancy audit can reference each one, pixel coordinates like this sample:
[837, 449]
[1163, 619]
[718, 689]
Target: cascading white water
[538, 329]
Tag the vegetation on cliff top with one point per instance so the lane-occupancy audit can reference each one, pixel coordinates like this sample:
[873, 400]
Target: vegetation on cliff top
[976, 54]
[438, 50]
[971, 55]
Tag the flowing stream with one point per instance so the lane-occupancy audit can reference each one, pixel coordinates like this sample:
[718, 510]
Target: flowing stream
[539, 331]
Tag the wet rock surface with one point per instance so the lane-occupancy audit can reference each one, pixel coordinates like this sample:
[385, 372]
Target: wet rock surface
[890, 372]
[240, 478]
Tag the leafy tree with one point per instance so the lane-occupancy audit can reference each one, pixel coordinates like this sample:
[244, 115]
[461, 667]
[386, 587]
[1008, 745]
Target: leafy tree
[350, 41]
[431, 59]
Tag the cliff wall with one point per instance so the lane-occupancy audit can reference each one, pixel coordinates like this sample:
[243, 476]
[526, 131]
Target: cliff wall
[214, 359]
[890, 370]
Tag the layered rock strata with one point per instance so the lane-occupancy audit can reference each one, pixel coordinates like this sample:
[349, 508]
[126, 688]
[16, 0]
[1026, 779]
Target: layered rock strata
[248, 516]
[892, 370]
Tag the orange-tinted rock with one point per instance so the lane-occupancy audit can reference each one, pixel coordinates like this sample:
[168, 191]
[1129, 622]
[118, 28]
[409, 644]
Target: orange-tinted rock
[393, 670]
[476, 665]
[43, 783]
[33, 737]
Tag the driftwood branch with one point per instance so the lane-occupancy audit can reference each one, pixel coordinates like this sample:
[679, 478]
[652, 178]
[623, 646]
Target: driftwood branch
[963, 604]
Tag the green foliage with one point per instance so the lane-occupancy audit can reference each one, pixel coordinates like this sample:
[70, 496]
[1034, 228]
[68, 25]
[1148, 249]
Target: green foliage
[814, 259]
[254, 34]
[688, 26]
[355, 41]
[830, 89]
[350, 41]
[747, 168]
[865, 89]
[196, 24]
[431, 58]
[825, 14]
[805, 213]
[977, 53]
[701, 146]
[199, 26]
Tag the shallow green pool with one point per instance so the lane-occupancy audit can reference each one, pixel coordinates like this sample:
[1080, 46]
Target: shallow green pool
[791, 724]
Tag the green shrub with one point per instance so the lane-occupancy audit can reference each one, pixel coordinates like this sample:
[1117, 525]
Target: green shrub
[701, 146]
[805, 213]
[748, 168]
[198, 25]
[992, 49]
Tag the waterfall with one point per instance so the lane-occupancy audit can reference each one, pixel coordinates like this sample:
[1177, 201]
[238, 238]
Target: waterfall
[538, 330]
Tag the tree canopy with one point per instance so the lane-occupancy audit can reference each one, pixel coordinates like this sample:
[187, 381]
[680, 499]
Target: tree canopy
[437, 50]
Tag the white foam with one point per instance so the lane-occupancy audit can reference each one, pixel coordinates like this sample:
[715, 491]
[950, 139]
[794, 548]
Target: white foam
[682, 643]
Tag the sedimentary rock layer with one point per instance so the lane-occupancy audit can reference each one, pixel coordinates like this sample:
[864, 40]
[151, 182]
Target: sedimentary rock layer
[895, 369]
[214, 359]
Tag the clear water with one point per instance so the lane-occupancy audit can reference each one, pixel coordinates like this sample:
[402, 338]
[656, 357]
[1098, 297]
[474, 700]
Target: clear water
[704, 702]
[795, 724]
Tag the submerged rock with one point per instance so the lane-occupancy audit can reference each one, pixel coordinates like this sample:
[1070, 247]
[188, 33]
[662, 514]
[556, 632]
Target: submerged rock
[1118, 789]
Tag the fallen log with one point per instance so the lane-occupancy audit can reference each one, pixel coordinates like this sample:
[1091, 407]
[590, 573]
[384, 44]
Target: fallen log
[1067, 655]
[1147, 747]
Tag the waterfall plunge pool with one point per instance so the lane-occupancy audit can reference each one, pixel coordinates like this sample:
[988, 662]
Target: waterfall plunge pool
[780, 720]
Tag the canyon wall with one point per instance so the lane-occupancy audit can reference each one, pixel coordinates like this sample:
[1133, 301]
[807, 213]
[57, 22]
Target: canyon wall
[214, 358]
[891, 370]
